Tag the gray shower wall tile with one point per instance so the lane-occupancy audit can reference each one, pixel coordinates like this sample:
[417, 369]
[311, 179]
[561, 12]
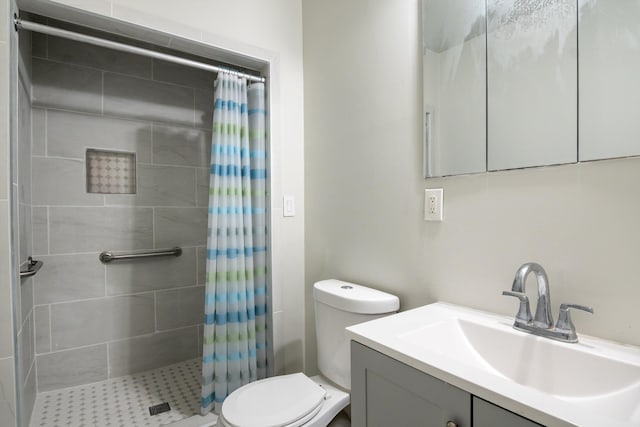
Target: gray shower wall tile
[26, 298]
[59, 181]
[173, 145]
[28, 396]
[161, 349]
[181, 226]
[24, 56]
[204, 109]
[72, 367]
[78, 53]
[201, 253]
[96, 229]
[203, 177]
[40, 230]
[170, 72]
[25, 242]
[38, 131]
[126, 96]
[7, 391]
[152, 274]
[178, 308]
[70, 134]
[160, 186]
[42, 331]
[24, 145]
[69, 278]
[39, 45]
[88, 322]
[66, 86]
[26, 350]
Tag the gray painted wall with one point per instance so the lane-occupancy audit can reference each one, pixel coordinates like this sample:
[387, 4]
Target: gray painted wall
[92, 321]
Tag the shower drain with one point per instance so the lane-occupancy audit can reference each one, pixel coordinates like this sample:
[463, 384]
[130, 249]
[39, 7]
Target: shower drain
[159, 408]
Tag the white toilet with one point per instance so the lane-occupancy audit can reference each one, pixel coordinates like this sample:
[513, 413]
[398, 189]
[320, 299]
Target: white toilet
[297, 400]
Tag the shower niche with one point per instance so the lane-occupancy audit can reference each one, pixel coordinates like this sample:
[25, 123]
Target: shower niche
[112, 154]
[110, 172]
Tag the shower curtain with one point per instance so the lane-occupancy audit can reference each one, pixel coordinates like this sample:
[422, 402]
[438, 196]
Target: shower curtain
[234, 344]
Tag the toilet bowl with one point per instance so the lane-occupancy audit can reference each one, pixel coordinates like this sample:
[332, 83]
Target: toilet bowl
[298, 400]
[284, 401]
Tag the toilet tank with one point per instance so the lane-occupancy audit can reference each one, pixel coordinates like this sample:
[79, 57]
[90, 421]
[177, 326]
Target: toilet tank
[338, 305]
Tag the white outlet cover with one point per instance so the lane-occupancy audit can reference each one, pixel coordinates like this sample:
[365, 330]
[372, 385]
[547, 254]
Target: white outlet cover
[433, 204]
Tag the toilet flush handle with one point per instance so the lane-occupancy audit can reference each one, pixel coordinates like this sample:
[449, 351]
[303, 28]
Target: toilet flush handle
[451, 424]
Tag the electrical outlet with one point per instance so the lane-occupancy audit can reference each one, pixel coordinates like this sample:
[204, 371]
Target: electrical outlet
[433, 204]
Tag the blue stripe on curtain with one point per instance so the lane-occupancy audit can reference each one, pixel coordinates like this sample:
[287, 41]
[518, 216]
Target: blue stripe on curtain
[235, 170]
[234, 317]
[230, 150]
[227, 104]
[235, 330]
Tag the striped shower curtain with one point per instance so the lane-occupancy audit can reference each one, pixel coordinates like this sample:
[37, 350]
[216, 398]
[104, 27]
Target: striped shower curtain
[234, 344]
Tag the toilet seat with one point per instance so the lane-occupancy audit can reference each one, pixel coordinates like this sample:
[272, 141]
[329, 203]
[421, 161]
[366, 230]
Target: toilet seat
[286, 400]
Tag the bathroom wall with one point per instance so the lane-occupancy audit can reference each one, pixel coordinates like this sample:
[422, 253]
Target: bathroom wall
[7, 361]
[270, 31]
[365, 193]
[95, 321]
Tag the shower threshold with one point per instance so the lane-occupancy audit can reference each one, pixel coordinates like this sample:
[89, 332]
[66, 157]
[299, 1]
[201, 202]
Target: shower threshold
[125, 401]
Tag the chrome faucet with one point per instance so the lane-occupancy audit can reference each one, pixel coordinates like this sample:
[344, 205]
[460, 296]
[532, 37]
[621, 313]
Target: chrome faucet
[542, 323]
[543, 317]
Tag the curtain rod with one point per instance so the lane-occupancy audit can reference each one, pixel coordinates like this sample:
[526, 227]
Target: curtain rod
[45, 29]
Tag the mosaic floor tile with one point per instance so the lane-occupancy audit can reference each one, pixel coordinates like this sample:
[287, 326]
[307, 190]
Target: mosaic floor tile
[124, 401]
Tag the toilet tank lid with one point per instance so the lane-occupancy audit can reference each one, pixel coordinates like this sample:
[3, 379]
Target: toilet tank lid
[354, 298]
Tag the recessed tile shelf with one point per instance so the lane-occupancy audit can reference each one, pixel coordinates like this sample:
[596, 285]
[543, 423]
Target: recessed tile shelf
[111, 172]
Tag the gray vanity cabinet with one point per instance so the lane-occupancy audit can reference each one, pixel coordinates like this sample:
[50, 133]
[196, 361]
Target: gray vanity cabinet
[385, 393]
[388, 393]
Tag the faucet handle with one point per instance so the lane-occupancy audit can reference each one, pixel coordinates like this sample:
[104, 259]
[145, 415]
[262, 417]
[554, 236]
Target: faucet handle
[564, 319]
[566, 307]
[524, 312]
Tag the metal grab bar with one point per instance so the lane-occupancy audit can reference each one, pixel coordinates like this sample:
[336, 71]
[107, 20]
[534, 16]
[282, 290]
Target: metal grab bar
[32, 268]
[107, 256]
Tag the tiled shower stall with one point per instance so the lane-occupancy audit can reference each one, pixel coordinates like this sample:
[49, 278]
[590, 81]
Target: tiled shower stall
[84, 321]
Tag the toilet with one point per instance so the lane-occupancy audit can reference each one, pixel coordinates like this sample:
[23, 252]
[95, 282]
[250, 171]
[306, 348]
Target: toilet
[297, 400]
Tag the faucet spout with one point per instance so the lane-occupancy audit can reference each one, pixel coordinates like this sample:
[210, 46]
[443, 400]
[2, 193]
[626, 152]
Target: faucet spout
[543, 317]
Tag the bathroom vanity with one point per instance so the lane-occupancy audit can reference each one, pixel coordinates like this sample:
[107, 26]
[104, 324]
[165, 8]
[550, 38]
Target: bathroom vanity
[452, 366]
[386, 392]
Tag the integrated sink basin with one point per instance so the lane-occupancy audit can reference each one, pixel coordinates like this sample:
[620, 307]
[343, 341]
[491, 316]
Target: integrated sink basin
[590, 383]
[563, 370]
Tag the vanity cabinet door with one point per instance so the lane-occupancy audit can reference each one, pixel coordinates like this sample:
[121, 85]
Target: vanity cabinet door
[486, 414]
[385, 392]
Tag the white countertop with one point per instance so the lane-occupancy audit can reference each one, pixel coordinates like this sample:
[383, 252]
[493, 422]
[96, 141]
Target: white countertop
[398, 336]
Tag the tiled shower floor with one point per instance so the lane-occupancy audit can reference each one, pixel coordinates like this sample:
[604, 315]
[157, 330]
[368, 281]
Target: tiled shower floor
[124, 401]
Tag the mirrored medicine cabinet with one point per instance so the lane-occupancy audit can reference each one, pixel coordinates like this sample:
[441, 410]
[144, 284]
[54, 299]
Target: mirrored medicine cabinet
[522, 83]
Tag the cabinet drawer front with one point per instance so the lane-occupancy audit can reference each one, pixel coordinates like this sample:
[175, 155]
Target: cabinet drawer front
[486, 414]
